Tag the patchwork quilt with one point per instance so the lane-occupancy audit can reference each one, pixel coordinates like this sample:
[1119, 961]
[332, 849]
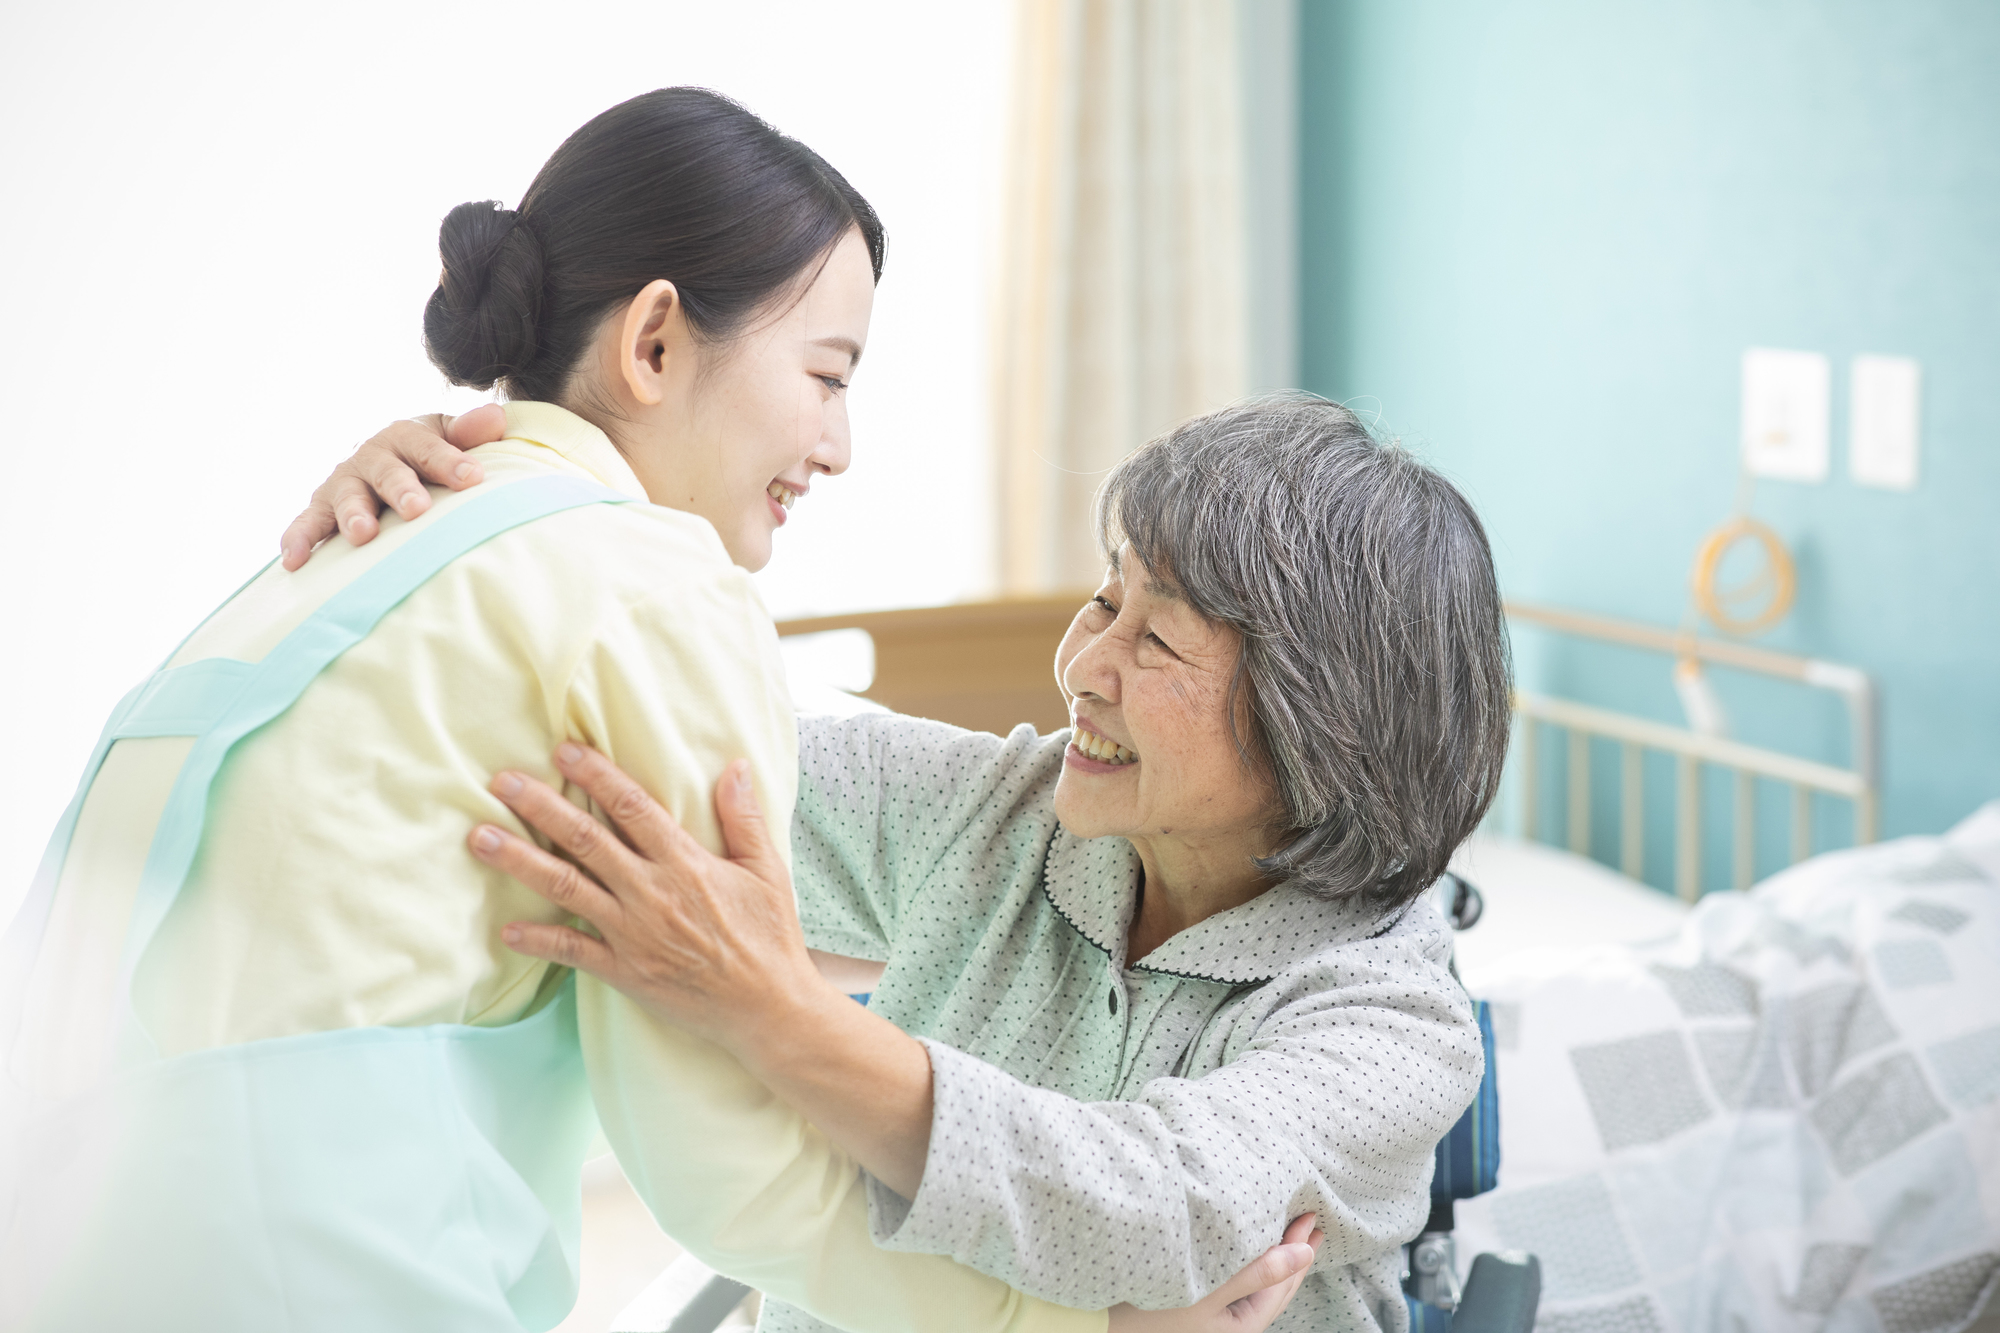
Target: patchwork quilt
[1785, 1117]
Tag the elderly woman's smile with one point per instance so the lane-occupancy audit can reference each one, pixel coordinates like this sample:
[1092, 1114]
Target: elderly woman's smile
[1091, 752]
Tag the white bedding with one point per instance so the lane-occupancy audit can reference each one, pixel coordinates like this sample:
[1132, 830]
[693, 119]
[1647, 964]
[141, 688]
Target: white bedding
[1777, 1111]
[1548, 903]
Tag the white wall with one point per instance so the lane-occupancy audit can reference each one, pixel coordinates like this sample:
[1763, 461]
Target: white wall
[219, 229]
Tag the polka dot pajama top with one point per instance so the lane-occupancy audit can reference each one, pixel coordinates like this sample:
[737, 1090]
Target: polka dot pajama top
[1106, 1132]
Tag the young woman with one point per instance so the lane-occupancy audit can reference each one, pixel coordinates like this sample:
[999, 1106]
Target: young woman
[265, 1061]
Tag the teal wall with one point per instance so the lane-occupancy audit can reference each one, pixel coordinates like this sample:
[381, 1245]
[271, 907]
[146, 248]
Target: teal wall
[1537, 237]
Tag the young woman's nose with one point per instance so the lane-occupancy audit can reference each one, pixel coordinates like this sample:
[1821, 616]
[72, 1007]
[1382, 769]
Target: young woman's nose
[835, 446]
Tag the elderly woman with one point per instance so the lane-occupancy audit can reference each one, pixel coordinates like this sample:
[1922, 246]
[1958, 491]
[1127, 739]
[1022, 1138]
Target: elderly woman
[1156, 984]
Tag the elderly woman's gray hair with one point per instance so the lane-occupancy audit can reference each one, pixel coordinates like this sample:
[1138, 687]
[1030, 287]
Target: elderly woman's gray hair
[1374, 656]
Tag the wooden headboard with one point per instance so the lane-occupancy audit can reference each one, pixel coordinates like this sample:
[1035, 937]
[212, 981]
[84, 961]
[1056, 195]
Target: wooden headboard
[987, 666]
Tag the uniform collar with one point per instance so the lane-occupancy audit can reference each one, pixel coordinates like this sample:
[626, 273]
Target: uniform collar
[576, 440]
[1093, 884]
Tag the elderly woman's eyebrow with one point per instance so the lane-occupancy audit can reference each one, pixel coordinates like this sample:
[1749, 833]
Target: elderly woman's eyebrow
[1165, 590]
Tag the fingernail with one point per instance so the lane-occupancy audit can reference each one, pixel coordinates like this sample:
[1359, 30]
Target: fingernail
[486, 839]
[743, 777]
[569, 754]
[511, 935]
[508, 784]
[409, 498]
[461, 472]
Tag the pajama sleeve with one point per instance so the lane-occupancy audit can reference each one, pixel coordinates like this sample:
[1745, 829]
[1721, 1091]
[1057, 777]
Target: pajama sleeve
[1361, 1065]
[881, 797]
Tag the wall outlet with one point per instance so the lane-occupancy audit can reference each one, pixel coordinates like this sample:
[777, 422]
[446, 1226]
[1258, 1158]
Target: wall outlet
[1786, 397]
[1883, 426]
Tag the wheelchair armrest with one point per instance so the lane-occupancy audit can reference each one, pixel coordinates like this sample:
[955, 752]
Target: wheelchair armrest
[1501, 1294]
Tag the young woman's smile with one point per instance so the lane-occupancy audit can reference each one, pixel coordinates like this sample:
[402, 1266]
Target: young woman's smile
[781, 496]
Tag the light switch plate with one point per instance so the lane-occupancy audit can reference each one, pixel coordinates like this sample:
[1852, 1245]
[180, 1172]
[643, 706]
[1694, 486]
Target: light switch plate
[1882, 448]
[1786, 397]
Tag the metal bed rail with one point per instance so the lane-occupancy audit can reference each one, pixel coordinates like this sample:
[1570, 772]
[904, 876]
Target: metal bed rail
[1692, 751]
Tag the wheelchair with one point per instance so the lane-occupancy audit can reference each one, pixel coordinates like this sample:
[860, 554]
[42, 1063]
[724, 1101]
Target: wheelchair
[1502, 1291]
[1499, 1295]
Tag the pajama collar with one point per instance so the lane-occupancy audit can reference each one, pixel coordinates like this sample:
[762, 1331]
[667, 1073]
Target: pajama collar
[1093, 883]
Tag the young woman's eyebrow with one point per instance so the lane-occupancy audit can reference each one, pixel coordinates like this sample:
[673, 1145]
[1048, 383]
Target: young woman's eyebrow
[840, 343]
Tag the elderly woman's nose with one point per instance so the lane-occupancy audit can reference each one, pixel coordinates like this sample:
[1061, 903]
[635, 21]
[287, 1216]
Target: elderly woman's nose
[1093, 670]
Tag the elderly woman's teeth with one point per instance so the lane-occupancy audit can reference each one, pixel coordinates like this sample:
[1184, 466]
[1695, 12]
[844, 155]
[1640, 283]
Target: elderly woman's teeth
[783, 494]
[1097, 747]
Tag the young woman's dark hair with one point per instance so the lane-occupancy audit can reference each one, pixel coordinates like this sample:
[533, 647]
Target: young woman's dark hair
[678, 183]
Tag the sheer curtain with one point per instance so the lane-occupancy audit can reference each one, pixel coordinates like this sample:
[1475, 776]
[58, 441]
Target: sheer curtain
[1124, 281]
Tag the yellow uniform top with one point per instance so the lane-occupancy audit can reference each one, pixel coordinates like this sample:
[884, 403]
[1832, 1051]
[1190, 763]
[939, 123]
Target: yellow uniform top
[333, 888]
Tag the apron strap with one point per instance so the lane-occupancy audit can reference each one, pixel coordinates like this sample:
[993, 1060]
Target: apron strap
[219, 701]
[24, 934]
[277, 681]
[185, 701]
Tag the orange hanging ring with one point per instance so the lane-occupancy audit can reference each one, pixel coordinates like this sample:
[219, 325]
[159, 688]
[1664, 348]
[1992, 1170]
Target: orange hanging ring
[1767, 594]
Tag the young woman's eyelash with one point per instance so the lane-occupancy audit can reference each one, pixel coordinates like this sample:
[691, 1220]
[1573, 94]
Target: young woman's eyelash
[833, 382]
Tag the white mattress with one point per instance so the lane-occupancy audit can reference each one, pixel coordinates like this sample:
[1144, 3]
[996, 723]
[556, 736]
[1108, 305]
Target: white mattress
[1540, 899]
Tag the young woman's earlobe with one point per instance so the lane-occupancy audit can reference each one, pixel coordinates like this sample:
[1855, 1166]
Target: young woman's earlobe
[644, 339]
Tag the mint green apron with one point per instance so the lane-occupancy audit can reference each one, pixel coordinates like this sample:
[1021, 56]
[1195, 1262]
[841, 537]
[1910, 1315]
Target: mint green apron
[369, 1180]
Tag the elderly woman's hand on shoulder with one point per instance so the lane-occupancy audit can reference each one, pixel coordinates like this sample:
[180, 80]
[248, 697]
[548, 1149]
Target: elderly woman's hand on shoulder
[389, 471]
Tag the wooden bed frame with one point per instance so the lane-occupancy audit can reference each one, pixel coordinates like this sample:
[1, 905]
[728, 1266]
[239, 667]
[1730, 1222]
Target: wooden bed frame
[986, 666]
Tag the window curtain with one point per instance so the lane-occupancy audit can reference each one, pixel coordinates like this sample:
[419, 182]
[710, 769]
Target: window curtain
[1122, 301]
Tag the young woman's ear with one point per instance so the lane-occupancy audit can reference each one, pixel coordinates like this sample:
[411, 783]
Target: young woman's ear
[644, 339]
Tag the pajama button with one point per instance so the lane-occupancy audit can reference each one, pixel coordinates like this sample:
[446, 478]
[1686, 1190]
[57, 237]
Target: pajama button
[1114, 1002]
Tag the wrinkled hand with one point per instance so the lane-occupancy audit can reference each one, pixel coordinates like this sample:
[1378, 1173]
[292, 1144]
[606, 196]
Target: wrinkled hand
[1248, 1302]
[390, 471]
[706, 943]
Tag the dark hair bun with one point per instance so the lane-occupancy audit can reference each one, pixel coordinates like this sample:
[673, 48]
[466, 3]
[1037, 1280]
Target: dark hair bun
[679, 183]
[480, 325]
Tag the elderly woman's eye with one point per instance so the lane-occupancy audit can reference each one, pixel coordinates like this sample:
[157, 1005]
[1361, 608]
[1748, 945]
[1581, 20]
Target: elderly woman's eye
[1106, 605]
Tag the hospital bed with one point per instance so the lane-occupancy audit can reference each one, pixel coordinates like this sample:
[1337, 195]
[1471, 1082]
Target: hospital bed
[1571, 759]
[1750, 1055]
